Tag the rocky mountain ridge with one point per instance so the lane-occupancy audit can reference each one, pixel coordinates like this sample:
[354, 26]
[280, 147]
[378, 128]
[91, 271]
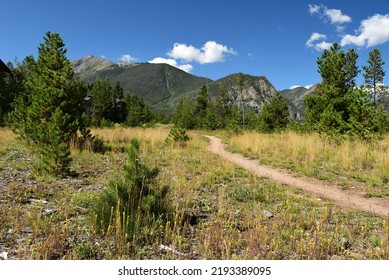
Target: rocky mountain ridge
[295, 98]
[162, 86]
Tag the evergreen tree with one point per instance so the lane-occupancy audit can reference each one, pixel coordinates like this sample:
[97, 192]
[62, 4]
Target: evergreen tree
[366, 121]
[210, 118]
[7, 95]
[374, 75]
[338, 68]
[241, 86]
[184, 115]
[200, 107]
[102, 97]
[17, 117]
[119, 108]
[338, 107]
[222, 107]
[235, 120]
[138, 112]
[118, 92]
[48, 113]
[327, 108]
[251, 117]
[274, 114]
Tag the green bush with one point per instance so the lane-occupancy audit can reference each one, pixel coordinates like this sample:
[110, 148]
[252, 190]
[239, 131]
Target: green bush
[133, 206]
[177, 134]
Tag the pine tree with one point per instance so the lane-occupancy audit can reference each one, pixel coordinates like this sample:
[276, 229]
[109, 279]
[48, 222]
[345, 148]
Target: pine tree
[184, 116]
[240, 79]
[200, 107]
[138, 112]
[17, 118]
[210, 118]
[374, 75]
[102, 97]
[119, 107]
[49, 111]
[327, 108]
[222, 107]
[338, 107]
[274, 114]
[7, 95]
[366, 122]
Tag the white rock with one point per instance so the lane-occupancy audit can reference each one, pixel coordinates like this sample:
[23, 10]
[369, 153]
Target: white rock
[267, 214]
[167, 248]
[4, 255]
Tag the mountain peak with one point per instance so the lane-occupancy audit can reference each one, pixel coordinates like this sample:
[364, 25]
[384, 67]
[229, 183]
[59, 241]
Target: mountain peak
[90, 64]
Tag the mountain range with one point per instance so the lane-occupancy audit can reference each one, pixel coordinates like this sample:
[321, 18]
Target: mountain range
[162, 86]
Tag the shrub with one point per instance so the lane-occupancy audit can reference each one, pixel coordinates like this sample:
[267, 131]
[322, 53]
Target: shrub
[177, 134]
[133, 205]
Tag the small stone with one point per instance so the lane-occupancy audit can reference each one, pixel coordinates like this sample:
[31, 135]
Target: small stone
[47, 212]
[267, 214]
[169, 249]
[4, 256]
[37, 201]
[26, 230]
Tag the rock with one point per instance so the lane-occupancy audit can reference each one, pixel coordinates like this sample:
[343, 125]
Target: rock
[267, 214]
[169, 249]
[26, 230]
[36, 201]
[4, 256]
[345, 243]
[47, 212]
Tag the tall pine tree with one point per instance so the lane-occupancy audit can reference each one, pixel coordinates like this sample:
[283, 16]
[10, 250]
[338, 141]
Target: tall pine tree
[338, 107]
[327, 109]
[274, 114]
[49, 111]
[102, 101]
[374, 75]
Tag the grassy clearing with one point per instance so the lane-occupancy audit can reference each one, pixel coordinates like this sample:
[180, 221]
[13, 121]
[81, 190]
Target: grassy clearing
[312, 156]
[219, 211]
[7, 137]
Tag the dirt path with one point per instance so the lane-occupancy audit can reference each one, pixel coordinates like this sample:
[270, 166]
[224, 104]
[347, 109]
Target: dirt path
[345, 198]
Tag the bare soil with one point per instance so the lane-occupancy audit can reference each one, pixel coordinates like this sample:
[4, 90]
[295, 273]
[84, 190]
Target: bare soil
[346, 198]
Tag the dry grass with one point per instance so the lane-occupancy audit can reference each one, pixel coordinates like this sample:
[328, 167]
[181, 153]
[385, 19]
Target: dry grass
[218, 210]
[7, 137]
[118, 137]
[312, 156]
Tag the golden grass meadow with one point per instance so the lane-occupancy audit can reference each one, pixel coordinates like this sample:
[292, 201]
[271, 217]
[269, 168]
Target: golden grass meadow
[216, 210]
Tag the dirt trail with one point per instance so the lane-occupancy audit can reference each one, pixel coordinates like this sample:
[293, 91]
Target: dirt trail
[345, 198]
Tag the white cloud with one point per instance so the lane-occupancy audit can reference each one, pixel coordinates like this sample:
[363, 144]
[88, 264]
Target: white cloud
[315, 37]
[336, 16]
[373, 31]
[184, 52]
[172, 62]
[211, 52]
[319, 46]
[185, 67]
[297, 86]
[313, 9]
[126, 58]
[323, 46]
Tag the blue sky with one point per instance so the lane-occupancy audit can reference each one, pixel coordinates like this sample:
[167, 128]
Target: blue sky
[279, 39]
